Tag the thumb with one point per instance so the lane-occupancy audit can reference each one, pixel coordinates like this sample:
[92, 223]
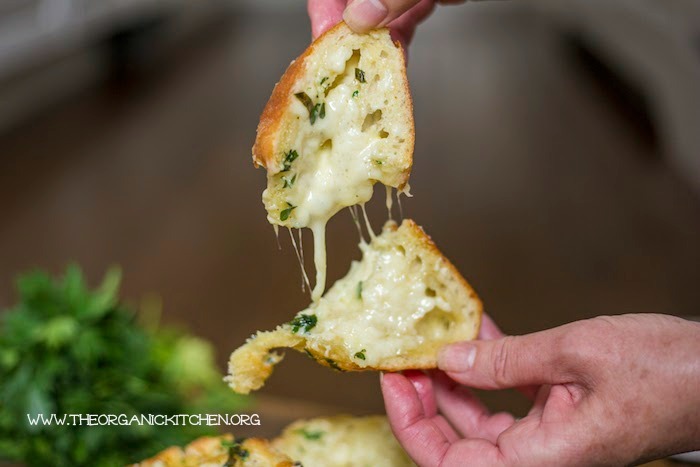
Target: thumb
[363, 15]
[508, 362]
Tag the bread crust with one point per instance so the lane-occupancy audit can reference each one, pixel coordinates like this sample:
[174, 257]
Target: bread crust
[265, 152]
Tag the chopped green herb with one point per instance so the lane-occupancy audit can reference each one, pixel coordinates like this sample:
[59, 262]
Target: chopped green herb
[288, 182]
[378, 162]
[306, 100]
[325, 78]
[333, 365]
[303, 323]
[356, 93]
[284, 215]
[288, 159]
[315, 111]
[359, 290]
[235, 451]
[360, 75]
[361, 354]
[310, 435]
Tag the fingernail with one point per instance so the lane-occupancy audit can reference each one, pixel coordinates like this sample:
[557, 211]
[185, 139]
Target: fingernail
[457, 358]
[363, 15]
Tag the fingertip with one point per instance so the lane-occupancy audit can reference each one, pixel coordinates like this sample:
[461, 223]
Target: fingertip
[324, 14]
[364, 15]
[457, 358]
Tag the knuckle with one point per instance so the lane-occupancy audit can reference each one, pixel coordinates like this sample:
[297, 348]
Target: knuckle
[501, 360]
[587, 346]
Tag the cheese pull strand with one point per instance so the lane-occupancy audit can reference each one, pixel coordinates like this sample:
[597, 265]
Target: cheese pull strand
[319, 231]
[367, 224]
[389, 201]
[300, 259]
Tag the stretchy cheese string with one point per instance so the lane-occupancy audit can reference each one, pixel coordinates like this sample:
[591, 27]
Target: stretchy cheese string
[304, 277]
[319, 231]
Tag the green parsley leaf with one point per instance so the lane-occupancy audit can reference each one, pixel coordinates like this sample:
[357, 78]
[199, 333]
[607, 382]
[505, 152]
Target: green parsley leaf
[356, 93]
[361, 354]
[67, 348]
[303, 323]
[289, 157]
[306, 100]
[359, 290]
[284, 214]
[289, 182]
[310, 435]
[333, 365]
[235, 452]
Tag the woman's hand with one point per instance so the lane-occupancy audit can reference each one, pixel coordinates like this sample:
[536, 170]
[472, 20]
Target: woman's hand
[401, 16]
[610, 391]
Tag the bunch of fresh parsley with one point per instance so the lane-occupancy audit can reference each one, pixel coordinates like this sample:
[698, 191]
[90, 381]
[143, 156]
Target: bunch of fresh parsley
[65, 349]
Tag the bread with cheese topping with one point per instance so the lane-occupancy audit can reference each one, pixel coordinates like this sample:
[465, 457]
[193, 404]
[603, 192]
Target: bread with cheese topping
[342, 441]
[338, 441]
[215, 451]
[393, 311]
[339, 120]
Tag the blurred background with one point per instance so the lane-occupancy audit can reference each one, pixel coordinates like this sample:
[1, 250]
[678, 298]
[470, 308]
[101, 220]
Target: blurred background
[557, 164]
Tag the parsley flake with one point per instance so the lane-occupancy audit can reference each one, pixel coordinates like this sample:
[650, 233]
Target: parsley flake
[284, 214]
[289, 157]
[303, 323]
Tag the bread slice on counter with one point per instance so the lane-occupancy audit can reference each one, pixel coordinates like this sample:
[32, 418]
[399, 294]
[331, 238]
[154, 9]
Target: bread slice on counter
[216, 451]
[339, 120]
[393, 311]
[338, 441]
[342, 441]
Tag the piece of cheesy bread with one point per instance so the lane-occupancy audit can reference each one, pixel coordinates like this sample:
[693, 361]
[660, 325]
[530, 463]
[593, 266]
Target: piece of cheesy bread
[393, 311]
[339, 120]
[342, 441]
[216, 451]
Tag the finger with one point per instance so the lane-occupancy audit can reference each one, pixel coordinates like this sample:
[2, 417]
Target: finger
[363, 15]
[421, 437]
[474, 453]
[508, 362]
[324, 14]
[540, 400]
[489, 330]
[423, 385]
[466, 412]
[404, 27]
[424, 389]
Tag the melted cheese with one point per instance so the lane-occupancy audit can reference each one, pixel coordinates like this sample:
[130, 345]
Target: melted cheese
[340, 155]
[386, 309]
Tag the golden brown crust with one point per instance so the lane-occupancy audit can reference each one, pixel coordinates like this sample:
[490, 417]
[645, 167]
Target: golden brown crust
[265, 152]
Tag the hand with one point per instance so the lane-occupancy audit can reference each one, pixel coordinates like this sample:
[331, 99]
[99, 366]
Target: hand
[612, 391]
[401, 16]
